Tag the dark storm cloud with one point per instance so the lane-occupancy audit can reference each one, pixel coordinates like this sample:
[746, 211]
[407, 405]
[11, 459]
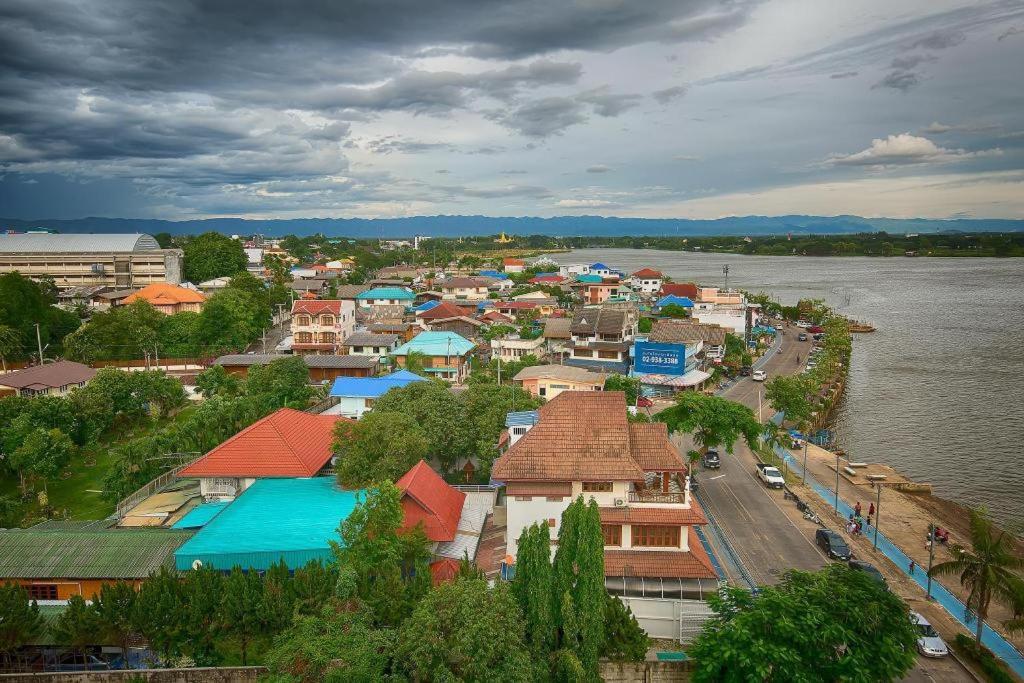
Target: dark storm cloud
[903, 81]
[541, 118]
[668, 94]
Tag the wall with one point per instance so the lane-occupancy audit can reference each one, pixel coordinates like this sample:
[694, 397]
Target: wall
[197, 675]
[66, 588]
[669, 619]
[645, 672]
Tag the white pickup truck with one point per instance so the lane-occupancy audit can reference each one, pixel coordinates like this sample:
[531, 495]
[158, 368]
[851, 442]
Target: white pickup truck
[771, 476]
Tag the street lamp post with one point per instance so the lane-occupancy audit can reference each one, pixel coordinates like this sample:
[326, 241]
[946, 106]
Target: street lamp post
[878, 513]
[837, 477]
[931, 558]
[804, 478]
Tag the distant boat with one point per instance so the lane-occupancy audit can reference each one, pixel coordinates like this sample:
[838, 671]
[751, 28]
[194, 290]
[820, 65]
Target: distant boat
[858, 326]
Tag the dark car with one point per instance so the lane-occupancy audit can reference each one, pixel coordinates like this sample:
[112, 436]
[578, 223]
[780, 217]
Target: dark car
[833, 544]
[869, 569]
[746, 370]
[711, 459]
[801, 337]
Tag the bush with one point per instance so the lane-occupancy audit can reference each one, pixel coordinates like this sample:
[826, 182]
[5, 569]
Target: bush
[989, 664]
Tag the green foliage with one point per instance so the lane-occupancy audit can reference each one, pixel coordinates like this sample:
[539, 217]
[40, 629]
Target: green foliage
[242, 615]
[437, 412]
[229, 321]
[115, 613]
[158, 614]
[629, 385]
[43, 454]
[486, 406]
[465, 631]
[23, 303]
[790, 394]
[121, 332]
[644, 325]
[382, 446]
[498, 332]
[285, 381]
[713, 420]
[836, 624]
[200, 595]
[624, 640]
[216, 381]
[312, 585]
[673, 311]
[211, 255]
[534, 589]
[19, 618]
[78, 626]
[990, 665]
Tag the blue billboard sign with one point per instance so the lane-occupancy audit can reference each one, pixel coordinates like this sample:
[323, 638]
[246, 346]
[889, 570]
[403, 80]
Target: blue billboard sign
[659, 358]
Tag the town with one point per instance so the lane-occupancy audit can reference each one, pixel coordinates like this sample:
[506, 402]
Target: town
[306, 464]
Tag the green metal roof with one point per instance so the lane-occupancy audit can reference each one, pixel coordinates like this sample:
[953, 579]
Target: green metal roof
[86, 553]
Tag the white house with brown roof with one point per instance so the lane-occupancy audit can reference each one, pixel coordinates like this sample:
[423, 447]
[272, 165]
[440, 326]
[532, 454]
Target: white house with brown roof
[548, 381]
[321, 326]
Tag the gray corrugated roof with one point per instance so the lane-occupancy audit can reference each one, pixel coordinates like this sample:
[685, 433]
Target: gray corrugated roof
[370, 339]
[76, 244]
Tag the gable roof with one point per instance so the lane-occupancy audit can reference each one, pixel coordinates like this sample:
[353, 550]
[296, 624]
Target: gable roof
[468, 282]
[585, 435]
[673, 300]
[445, 309]
[427, 498]
[557, 328]
[648, 273]
[598, 320]
[166, 294]
[566, 373]
[48, 376]
[513, 262]
[687, 289]
[286, 443]
[350, 291]
[317, 307]
[436, 343]
[386, 293]
[372, 387]
[599, 266]
[669, 330]
[370, 339]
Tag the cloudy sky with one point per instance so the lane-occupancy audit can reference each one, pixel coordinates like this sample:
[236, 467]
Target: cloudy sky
[376, 108]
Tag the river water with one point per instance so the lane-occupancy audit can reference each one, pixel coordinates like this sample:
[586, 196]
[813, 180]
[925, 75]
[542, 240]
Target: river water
[938, 390]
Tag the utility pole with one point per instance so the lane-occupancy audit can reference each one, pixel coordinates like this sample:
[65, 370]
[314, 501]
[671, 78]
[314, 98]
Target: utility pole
[931, 558]
[156, 354]
[39, 341]
[878, 514]
[725, 272]
[837, 476]
[804, 479]
[264, 341]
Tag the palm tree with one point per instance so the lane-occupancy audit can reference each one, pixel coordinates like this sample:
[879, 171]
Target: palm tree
[990, 569]
[416, 361]
[10, 341]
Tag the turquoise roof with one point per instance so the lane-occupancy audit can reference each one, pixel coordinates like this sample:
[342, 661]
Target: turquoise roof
[386, 293]
[200, 515]
[274, 519]
[596, 279]
[436, 344]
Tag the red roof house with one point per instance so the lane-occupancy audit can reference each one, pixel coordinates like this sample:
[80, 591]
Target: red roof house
[287, 443]
[443, 570]
[446, 309]
[547, 280]
[687, 289]
[647, 274]
[427, 498]
[317, 307]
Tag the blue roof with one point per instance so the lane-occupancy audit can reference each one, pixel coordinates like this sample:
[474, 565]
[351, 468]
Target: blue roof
[436, 344]
[372, 387]
[493, 273]
[386, 293]
[200, 515]
[589, 278]
[672, 299]
[274, 519]
[523, 417]
[598, 266]
[426, 306]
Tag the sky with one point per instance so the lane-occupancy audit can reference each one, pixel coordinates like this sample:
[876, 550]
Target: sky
[263, 109]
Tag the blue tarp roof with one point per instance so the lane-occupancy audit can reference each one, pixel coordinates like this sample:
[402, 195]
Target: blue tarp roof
[520, 418]
[200, 515]
[673, 299]
[372, 387]
[493, 273]
[274, 519]
[426, 306]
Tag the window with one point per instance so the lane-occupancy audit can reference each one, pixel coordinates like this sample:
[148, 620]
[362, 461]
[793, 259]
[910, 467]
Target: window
[304, 337]
[597, 486]
[327, 337]
[302, 320]
[612, 534]
[357, 349]
[42, 591]
[656, 536]
[608, 354]
[327, 320]
[551, 521]
[543, 391]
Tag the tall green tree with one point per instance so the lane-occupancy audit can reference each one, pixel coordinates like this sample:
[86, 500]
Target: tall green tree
[624, 639]
[78, 626]
[285, 380]
[278, 598]
[20, 621]
[437, 412]
[453, 635]
[23, 304]
[312, 585]
[790, 394]
[242, 614]
[380, 446]
[211, 255]
[534, 589]
[158, 611]
[831, 625]
[629, 385]
[201, 591]
[10, 344]
[115, 611]
[227, 322]
[42, 455]
[990, 569]
[415, 362]
[714, 421]
[123, 332]
[216, 381]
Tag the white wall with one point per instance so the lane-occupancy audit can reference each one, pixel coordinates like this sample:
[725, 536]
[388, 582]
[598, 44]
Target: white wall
[522, 513]
[729, 320]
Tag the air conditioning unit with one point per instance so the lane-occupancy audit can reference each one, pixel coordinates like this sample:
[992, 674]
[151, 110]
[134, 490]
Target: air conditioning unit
[620, 502]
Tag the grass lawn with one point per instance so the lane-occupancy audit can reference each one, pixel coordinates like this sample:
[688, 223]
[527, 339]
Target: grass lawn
[81, 494]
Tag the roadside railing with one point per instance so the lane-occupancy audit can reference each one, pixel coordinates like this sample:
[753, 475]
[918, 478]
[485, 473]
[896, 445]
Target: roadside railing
[126, 504]
[656, 497]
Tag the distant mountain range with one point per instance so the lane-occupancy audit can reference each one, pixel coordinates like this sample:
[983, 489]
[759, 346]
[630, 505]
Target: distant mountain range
[561, 226]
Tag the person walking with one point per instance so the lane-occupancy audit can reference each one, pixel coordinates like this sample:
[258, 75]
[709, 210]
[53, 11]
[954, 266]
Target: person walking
[869, 519]
[856, 509]
[912, 565]
[871, 510]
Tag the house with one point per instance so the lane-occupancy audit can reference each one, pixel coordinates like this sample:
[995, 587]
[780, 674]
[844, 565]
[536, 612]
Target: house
[303, 272]
[320, 326]
[342, 265]
[712, 337]
[647, 281]
[546, 279]
[500, 284]
[59, 559]
[548, 381]
[714, 295]
[308, 289]
[574, 269]
[51, 379]
[447, 354]
[85, 295]
[462, 325]
[493, 317]
[110, 299]
[513, 265]
[600, 270]
[517, 309]
[443, 310]
[286, 443]
[350, 292]
[601, 338]
[558, 335]
[687, 289]
[673, 300]
[322, 367]
[168, 299]
[214, 285]
[583, 445]
[386, 296]
[403, 329]
[734, 317]
[515, 348]
[670, 360]
[371, 344]
[474, 288]
[356, 395]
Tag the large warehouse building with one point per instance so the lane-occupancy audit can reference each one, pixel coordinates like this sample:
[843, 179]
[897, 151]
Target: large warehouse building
[120, 261]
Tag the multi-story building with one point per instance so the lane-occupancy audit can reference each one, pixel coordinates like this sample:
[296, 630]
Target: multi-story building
[447, 354]
[371, 344]
[516, 348]
[472, 288]
[714, 295]
[321, 326]
[601, 337]
[118, 261]
[513, 265]
[386, 296]
[647, 281]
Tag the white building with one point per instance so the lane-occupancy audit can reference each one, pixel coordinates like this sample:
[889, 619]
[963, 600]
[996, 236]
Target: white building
[647, 281]
[516, 348]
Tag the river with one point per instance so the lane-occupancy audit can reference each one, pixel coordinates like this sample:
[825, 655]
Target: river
[938, 390]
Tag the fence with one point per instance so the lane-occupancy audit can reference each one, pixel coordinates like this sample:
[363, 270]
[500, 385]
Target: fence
[164, 364]
[152, 487]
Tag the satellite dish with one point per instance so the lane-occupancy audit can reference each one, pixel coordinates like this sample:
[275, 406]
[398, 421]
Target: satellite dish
[197, 564]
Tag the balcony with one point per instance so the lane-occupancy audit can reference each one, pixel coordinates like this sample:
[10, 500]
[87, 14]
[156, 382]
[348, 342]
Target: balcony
[657, 497]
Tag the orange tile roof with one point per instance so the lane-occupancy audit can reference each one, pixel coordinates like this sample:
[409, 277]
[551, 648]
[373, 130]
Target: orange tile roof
[317, 307]
[584, 435]
[693, 564]
[443, 570]
[427, 498]
[446, 309]
[647, 273]
[513, 262]
[287, 443]
[675, 515]
[165, 294]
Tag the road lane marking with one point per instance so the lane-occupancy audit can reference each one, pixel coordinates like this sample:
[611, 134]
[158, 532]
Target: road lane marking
[718, 477]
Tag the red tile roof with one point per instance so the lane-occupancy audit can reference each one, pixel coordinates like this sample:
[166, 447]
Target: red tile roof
[675, 564]
[687, 289]
[546, 278]
[427, 498]
[674, 515]
[515, 305]
[443, 570]
[495, 316]
[513, 262]
[166, 294]
[287, 443]
[584, 435]
[647, 273]
[317, 307]
[446, 309]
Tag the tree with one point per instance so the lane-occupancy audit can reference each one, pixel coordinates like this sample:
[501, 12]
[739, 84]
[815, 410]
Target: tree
[228, 321]
[242, 617]
[278, 599]
[713, 420]
[624, 640]
[498, 331]
[835, 624]
[674, 311]
[789, 394]
[20, 621]
[990, 569]
[121, 332]
[285, 379]
[216, 381]
[629, 385]
[211, 255]
[23, 304]
[437, 412]
[158, 613]
[78, 626]
[201, 591]
[452, 635]
[179, 335]
[644, 325]
[534, 589]
[382, 446]
[43, 454]
[10, 344]
[415, 362]
[312, 585]
[115, 611]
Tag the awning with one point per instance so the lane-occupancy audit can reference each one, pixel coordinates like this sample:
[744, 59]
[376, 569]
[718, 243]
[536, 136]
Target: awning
[692, 378]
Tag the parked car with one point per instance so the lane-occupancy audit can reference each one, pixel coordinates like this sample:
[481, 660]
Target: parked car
[644, 402]
[833, 544]
[770, 475]
[72, 661]
[803, 323]
[759, 376]
[869, 569]
[801, 337]
[712, 460]
[745, 371]
[929, 642]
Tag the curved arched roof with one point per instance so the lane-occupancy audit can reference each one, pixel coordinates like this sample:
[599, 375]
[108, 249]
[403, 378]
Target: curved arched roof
[28, 243]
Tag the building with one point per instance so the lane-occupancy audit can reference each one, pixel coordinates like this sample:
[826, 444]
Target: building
[120, 261]
[513, 265]
[687, 289]
[168, 299]
[350, 292]
[515, 309]
[357, 395]
[322, 367]
[321, 326]
[671, 359]
[601, 338]
[371, 344]
[675, 331]
[673, 300]
[430, 311]
[286, 443]
[49, 379]
[386, 296]
[574, 269]
[600, 269]
[462, 325]
[473, 288]
[447, 354]
[734, 317]
[647, 281]
[308, 289]
[558, 335]
[548, 381]
[403, 329]
[714, 295]
[515, 348]
[583, 445]
[59, 559]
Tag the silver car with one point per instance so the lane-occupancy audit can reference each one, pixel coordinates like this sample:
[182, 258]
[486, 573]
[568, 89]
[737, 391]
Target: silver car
[929, 643]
